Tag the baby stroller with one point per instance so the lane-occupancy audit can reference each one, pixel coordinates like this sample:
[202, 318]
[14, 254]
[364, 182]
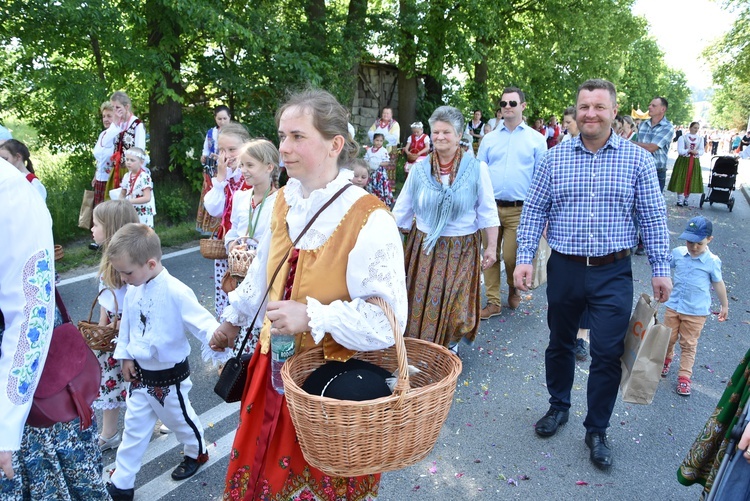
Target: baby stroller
[721, 182]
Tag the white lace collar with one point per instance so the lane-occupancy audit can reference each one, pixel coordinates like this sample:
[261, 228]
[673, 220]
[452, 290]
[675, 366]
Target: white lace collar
[293, 191]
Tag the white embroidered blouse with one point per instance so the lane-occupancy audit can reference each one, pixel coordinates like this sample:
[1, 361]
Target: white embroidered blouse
[241, 216]
[215, 199]
[375, 268]
[27, 300]
[155, 318]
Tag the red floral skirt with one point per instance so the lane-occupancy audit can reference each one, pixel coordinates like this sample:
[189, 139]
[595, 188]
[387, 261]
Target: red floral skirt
[266, 462]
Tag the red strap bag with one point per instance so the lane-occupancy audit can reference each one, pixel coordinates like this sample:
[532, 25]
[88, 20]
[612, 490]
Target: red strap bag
[70, 379]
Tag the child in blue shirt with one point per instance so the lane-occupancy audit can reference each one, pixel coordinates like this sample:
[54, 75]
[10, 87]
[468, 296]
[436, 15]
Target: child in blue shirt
[695, 269]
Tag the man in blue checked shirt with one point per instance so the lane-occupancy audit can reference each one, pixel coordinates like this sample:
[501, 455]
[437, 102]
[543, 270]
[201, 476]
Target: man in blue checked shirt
[586, 190]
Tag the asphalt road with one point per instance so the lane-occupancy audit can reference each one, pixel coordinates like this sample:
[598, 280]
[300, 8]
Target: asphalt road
[487, 449]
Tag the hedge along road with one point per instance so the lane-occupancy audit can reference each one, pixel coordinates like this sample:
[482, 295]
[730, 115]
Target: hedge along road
[487, 448]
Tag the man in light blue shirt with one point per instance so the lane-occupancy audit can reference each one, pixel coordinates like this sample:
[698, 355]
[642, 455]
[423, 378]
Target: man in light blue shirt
[512, 151]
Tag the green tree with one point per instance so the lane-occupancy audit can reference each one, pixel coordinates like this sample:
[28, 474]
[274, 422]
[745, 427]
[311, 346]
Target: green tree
[731, 71]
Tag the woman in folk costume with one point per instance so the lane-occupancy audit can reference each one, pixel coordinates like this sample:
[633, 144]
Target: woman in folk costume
[132, 133]
[352, 252]
[705, 457]
[686, 174]
[417, 146]
[63, 461]
[103, 150]
[218, 200]
[475, 130]
[450, 193]
[391, 131]
[387, 126]
[205, 222]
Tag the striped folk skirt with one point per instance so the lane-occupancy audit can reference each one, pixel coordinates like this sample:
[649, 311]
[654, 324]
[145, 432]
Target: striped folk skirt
[443, 288]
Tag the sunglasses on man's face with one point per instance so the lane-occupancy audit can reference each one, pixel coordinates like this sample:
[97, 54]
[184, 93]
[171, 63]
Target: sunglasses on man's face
[512, 104]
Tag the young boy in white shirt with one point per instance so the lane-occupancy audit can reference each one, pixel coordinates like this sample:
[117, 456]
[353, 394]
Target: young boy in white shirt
[158, 310]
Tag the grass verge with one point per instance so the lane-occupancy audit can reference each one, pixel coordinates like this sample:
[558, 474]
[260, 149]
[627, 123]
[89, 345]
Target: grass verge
[78, 254]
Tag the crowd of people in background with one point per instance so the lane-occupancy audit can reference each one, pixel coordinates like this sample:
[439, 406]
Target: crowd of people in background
[477, 193]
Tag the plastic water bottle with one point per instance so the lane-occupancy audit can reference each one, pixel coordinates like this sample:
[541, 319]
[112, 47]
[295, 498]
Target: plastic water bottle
[282, 347]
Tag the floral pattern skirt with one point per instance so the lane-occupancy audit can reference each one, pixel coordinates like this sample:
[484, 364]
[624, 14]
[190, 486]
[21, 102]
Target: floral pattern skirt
[221, 300]
[443, 288]
[266, 462]
[112, 390]
[62, 463]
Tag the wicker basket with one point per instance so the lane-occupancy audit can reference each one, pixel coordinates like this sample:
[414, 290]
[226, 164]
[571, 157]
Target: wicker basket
[59, 252]
[100, 337]
[213, 248]
[346, 438]
[239, 260]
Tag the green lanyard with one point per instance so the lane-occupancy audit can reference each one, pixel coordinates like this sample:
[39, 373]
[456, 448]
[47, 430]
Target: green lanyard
[253, 225]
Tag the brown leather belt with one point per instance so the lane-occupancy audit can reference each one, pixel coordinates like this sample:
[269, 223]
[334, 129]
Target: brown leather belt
[597, 260]
[506, 203]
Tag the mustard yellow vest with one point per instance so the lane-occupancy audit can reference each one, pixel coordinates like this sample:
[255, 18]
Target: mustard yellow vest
[321, 272]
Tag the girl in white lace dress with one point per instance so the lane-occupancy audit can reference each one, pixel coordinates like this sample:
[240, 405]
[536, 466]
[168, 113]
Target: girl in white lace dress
[109, 217]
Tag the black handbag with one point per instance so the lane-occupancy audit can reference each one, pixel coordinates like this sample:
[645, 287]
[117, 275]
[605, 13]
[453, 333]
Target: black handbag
[231, 383]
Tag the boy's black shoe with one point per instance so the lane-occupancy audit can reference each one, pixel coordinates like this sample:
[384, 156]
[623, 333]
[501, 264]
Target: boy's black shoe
[118, 494]
[188, 467]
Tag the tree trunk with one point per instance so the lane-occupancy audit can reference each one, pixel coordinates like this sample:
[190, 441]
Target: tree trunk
[97, 56]
[477, 90]
[164, 110]
[433, 91]
[316, 26]
[437, 26]
[407, 77]
[354, 38]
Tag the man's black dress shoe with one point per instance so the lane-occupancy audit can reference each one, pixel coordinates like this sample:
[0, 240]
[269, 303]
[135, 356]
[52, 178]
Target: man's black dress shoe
[118, 494]
[548, 425]
[601, 454]
[188, 467]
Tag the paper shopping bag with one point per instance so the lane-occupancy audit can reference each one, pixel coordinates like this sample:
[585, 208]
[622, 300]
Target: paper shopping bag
[540, 264]
[646, 344]
[85, 216]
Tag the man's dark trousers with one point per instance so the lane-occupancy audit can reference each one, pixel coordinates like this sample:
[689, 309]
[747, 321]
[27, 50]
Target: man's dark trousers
[607, 291]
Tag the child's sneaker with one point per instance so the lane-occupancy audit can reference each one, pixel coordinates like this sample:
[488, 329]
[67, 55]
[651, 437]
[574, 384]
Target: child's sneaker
[665, 369]
[683, 386]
